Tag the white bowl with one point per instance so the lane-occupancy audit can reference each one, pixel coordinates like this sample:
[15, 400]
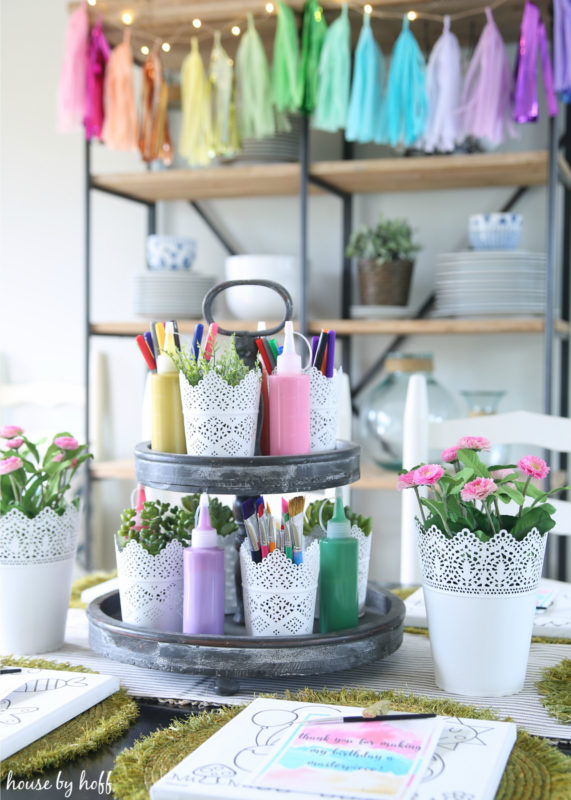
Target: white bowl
[495, 231]
[259, 302]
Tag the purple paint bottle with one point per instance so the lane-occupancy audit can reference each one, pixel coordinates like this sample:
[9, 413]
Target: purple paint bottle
[203, 602]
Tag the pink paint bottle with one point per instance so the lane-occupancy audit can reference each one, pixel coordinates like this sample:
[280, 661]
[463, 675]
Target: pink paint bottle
[203, 599]
[289, 402]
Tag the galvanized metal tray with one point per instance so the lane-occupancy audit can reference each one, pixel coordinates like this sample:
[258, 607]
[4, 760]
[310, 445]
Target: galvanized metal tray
[236, 655]
[248, 476]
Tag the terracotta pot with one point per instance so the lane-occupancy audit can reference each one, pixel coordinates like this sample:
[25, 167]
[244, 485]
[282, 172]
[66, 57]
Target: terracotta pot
[385, 284]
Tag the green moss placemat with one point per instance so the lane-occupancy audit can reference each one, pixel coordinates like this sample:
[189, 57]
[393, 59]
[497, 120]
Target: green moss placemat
[87, 582]
[98, 726]
[555, 688]
[535, 770]
[407, 591]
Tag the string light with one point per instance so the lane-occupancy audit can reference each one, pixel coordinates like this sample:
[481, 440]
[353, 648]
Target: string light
[196, 23]
[91, 2]
[412, 15]
[236, 30]
[145, 50]
[127, 17]
[368, 8]
[165, 47]
[270, 8]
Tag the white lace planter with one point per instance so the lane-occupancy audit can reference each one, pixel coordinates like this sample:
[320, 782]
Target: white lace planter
[151, 587]
[230, 555]
[279, 596]
[36, 567]
[220, 420]
[364, 557]
[480, 605]
[323, 406]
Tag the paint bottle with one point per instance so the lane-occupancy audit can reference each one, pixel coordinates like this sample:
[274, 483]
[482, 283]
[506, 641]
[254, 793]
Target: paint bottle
[289, 402]
[203, 599]
[167, 429]
[338, 571]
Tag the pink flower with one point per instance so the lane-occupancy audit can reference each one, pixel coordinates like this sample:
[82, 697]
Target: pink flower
[9, 431]
[533, 466]
[406, 480]
[66, 442]
[450, 454]
[500, 474]
[478, 489]
[15, 443]
[58, 457]
[10, 464]
[473, 443]
[428, 475]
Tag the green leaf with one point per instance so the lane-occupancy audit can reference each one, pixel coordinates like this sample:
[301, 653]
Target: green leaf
[471, 459]
[513, 493]
[534, 517]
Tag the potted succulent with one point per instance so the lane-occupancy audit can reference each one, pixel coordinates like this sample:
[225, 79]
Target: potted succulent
[38, 538]
[220, 398]
[385, 255]
[315, 521]
[149, 550]
[480, 565]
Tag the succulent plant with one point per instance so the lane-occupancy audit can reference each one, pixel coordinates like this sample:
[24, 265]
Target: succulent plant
[311, 519]
[389, 240]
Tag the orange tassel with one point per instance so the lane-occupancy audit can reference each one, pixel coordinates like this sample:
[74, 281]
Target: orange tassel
[120, 126]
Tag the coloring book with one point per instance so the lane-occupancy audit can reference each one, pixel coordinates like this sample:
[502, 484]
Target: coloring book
[265, 753]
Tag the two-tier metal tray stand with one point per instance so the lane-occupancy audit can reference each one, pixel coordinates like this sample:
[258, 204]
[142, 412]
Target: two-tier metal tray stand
[235, 655]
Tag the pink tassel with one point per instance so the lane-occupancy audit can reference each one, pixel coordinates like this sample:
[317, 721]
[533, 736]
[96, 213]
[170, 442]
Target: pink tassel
[97, 57]
[120, 126]
[486, 106]
[71, 88]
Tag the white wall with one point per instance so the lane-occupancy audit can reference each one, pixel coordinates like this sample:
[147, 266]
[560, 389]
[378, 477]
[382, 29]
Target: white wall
[41, 267]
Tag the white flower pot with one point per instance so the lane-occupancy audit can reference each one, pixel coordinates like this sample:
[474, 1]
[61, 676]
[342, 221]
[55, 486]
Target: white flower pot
[323, 409]
[36, 567]
[151, 587]
[480, 605]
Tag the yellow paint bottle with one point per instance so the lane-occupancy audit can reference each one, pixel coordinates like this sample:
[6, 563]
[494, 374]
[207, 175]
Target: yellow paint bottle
[167, 432]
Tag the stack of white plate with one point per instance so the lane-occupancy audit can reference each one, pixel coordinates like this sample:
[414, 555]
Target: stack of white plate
[488, 282]
[169, 295]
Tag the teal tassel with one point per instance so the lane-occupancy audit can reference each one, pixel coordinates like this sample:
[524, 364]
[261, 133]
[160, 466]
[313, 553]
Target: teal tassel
[364, 118]
[405, 112]
[255, 112]
[334, 76]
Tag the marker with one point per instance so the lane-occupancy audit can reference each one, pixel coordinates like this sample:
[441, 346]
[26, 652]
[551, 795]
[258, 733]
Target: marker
[144, 348]
[197, 340]
[209, 347]
[330, 359]
[160, 331]
[264, 355]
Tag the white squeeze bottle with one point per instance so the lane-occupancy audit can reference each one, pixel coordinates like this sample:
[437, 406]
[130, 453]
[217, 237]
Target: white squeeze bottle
[289, 402]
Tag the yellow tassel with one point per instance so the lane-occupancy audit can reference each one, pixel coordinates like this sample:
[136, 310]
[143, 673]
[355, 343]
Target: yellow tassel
[196, 134]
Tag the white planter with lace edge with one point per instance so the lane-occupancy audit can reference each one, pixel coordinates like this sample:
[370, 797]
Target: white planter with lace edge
[480, 604]
[151, 587]
[36, 568]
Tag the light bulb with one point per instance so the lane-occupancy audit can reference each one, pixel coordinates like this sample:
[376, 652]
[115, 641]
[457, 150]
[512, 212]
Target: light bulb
[127, 17]
[165, 47]
[196, 22]
[368, 8]
[412, 15]
[270, 8]
[91, 2]
[145, 50]
[236, 30]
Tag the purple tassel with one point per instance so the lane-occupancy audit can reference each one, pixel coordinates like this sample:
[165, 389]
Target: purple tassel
[486, 100]
[562, 48]
[97, 57]
[532, 37]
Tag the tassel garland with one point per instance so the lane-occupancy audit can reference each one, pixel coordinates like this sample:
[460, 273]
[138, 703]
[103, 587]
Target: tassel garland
[120, 126]
[312, 36]
[364, 117]
[405, 110]
[196, 133]
[154, 137]
[220, 75]
[533, 38]
[443, 83]
[71, 87]
[486, 104]
[255, 113]
[562, 48]
[98, 55]
[334, 76]
[285, 94]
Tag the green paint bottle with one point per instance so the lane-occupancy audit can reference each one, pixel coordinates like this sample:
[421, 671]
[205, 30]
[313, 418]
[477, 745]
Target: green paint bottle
[338, 569]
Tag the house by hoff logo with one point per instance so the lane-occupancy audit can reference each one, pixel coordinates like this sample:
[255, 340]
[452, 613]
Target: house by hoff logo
[67, 786]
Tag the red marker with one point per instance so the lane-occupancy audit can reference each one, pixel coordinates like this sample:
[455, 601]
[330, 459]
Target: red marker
[147, 355]
[212, 331]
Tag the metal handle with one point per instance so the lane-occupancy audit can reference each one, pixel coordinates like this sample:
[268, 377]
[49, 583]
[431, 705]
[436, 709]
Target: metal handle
[245, 344]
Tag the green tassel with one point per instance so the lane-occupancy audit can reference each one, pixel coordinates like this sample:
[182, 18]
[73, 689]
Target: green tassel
[334, 76]
[285, 92]
[313, 34]
[255, 113]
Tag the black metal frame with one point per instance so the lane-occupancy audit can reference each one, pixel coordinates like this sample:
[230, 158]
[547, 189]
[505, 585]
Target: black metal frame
[305, 179]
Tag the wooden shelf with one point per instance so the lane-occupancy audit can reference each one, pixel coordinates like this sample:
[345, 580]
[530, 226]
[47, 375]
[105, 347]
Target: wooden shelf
[360, 176]
[373, 477]
[123, 469]
[366, 327]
